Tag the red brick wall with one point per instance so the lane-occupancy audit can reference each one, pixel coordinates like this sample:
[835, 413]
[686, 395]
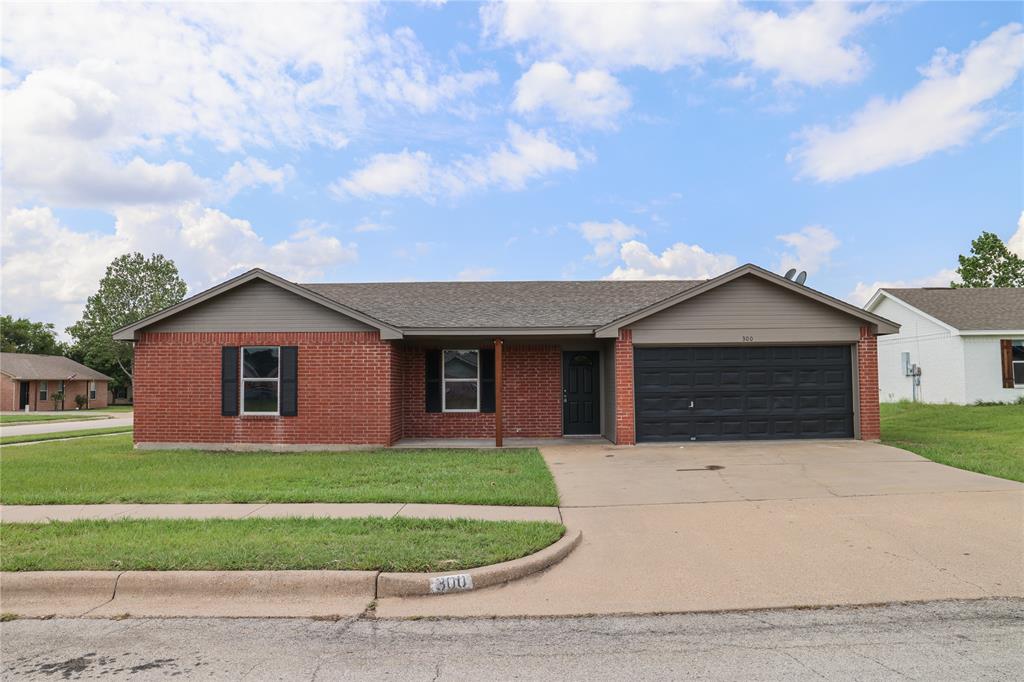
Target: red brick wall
[532, 394]
[71, 389]
[8, 393]
[625, 423]
[345, 388]
[867, 372]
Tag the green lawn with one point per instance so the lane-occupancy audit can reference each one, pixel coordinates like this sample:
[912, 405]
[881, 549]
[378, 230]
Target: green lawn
[396, 544]
[33, 417]
[107, 469]
[55, 435]
[987, 439]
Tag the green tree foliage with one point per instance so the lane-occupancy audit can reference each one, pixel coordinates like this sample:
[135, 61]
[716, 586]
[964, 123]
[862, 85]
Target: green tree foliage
[133, 287]
[25, 336]
[990, 264]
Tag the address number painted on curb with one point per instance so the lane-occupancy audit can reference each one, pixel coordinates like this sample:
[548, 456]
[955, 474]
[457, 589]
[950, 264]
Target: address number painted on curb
[451, 583]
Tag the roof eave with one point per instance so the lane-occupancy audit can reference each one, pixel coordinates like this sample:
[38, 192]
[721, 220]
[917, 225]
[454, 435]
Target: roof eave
[498, 331]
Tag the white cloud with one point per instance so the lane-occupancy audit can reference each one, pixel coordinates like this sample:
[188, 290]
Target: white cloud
[370, 226]
[810, 248]
[591, 97]
[808, 45]
[389, 175]
[207, 245]
[254, 173]
[679, 261]
[1016, 241]
[862, 293]
[476, 274]
[88, 86]
[606, 238]
[525, 156]
[944, 110]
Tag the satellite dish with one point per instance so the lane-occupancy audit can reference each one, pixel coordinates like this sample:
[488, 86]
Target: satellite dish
[802, 277]
[790, 273]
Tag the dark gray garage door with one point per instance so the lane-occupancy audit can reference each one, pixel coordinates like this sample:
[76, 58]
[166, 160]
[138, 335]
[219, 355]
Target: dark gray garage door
[735, 393]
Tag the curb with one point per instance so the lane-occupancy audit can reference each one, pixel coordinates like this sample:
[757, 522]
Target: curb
[247, 593]
[419, 584]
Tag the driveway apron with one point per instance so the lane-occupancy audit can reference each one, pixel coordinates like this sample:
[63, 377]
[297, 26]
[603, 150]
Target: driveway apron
[759, 525]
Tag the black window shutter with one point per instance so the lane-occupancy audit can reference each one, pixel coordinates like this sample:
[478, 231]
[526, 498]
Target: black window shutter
[487, 380]
[229, 381]
[289, 381]
[432, 373]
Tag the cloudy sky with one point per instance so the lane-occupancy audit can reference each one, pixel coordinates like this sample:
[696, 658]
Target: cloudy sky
[329, 142]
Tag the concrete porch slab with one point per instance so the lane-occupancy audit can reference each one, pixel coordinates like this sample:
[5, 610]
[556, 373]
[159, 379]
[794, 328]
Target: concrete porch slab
[487, 443]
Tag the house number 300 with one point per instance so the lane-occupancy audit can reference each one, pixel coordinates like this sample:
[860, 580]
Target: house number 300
[748, 338]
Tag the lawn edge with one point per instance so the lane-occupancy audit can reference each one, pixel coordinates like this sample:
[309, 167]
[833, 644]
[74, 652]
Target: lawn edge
[98, 594]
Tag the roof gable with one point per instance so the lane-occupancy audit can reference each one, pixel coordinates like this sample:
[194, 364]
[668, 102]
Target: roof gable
[129, 332]
[884, 326]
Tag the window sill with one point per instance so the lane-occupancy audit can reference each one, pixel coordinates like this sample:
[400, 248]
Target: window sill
[260, 416]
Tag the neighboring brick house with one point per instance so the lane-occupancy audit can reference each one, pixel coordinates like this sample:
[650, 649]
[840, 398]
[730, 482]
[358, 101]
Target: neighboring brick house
[261, 362]
[34, 381]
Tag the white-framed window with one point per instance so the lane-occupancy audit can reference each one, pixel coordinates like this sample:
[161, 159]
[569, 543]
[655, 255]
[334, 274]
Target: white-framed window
[44, 390]
[261, 382]
[61, 389]
[1017, 358]
[92, 390]
[460, 379]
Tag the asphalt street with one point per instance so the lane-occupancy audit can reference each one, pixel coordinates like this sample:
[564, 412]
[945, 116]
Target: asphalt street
[963, 640]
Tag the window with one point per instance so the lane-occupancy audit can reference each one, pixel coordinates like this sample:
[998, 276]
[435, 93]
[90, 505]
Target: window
[461, 379]
[1017, 355]
[92, 390]
[61, 389]
[44, 390]
[260, 379]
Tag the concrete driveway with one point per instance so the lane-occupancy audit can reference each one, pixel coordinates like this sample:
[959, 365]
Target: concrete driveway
[779, 524]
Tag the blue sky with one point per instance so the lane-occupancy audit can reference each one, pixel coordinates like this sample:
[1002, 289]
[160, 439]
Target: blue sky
[865, 143]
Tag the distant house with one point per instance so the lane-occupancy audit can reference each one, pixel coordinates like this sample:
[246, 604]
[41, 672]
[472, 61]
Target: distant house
[33, 381]
[968, 344]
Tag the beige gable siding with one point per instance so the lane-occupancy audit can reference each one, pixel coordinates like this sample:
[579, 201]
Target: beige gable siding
[258, 306]
[747, 310]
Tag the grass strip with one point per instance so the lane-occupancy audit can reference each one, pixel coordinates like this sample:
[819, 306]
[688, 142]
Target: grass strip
[108, 470]
[987, 439]
[35, 417]
[394, 544]
[57, 435]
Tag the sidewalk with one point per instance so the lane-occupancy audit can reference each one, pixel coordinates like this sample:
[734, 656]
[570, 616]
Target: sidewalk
[72, 512]
[60, 425]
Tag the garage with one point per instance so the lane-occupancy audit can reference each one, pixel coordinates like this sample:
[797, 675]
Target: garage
[707, 393]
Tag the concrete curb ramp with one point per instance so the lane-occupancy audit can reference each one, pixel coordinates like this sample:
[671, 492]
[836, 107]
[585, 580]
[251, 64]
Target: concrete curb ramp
[415, 584]
[246, 593]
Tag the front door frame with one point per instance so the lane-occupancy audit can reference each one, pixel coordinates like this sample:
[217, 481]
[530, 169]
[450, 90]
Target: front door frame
[566, 358]
[24, 395]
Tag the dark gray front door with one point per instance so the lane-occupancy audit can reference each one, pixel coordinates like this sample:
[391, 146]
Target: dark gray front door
[23, 393]
[737, 393]
[580, 393]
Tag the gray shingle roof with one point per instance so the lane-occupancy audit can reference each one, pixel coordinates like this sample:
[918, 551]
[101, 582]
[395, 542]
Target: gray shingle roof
[501, 304]
[27, 366]
[968, 309]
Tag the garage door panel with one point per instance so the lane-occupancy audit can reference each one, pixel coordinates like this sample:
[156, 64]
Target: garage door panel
[728, 393]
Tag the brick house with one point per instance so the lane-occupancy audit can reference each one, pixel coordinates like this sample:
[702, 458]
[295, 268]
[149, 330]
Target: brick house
[261, 362]
[33, 381]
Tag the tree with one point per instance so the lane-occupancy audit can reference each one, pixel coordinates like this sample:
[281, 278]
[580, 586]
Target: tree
[132, 288]
[25, 336]
[990, 265]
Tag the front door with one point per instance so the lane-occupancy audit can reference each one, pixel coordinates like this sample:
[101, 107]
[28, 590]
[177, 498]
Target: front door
[23, 395]
[581, 414]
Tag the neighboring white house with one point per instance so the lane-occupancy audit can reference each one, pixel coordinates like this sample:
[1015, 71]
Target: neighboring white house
[968, 344]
